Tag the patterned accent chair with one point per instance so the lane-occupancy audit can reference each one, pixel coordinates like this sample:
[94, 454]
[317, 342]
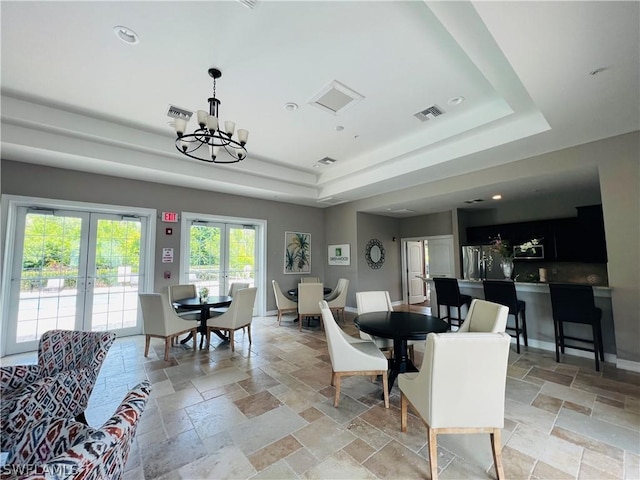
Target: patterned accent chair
[59, 385]
[62, 448]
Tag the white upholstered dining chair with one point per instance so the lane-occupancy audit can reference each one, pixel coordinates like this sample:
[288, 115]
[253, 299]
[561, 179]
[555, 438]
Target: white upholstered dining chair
[460, 388]
[283, 303]
[160, 320]
[178, 292]
[485, 316]
[378, 301]
[239, 315]
[351, 356]
[309, 294]
[338, 299]
[310, 280]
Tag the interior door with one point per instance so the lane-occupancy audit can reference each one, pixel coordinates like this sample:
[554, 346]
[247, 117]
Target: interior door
[415, 265]
[439, 257]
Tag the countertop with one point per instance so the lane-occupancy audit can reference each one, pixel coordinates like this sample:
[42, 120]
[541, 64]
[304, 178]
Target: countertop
[533, 287]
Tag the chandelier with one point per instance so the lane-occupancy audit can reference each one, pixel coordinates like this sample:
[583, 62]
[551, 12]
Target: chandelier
[206, 141]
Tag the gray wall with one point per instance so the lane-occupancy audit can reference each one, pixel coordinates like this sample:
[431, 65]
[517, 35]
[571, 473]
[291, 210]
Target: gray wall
[386, 277]
[427, 225]
[47, 182]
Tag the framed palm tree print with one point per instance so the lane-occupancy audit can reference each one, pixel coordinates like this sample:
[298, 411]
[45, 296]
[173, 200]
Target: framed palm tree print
[297, 252]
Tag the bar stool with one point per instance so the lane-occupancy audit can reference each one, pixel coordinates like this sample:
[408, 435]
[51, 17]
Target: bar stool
[504, 293]
[573, 303]
[448, 295]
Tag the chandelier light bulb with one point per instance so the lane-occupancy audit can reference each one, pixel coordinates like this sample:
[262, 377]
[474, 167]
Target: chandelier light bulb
[180, 126]
[229, 128]
[202, 118]
[243, 135]
[212, 123]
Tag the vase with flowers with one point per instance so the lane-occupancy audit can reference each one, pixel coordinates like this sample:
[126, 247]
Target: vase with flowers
[502, 248]
[204, 294]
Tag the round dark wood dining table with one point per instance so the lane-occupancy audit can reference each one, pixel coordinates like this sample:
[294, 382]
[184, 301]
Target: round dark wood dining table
[400, 327]
[195, 303]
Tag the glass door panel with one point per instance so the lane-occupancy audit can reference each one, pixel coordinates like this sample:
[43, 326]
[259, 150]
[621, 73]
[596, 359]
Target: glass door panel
[242, 255]
[206, 257]
[47, 292]
[114, 278]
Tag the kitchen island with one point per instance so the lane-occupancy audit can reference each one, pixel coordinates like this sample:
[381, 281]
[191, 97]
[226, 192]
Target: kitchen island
[540, 319]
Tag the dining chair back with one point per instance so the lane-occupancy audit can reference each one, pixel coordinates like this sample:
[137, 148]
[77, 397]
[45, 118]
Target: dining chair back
[63, 448]
[350, 356]
[283, 303]
[233, 288]
[485, 317]
[504, 293]
[309, 294]
[572, 303]
[161, 321]
[61, 383]
[239, 315]
[338, 301]
[473, 403]
[448, 295]
[310, 280]
[375, 301]
[178, 292]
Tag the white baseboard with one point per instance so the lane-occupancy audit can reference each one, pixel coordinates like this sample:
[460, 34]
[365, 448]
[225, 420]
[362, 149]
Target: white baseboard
[628, 365]
[608, 357]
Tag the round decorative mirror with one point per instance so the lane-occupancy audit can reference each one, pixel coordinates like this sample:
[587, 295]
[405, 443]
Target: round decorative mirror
[374, 253]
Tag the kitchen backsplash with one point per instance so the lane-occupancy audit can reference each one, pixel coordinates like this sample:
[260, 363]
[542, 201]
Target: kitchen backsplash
[587, 273]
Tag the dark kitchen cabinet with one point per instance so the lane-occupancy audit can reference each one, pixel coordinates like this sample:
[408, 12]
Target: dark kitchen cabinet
[574, 239]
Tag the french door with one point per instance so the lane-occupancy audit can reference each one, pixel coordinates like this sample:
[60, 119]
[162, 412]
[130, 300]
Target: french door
[220, 254]
[74, 270]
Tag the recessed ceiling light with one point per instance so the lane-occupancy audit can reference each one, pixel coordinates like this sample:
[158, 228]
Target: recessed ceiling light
[290, 106]
[455, 100]
[497, 197]
[126, 34]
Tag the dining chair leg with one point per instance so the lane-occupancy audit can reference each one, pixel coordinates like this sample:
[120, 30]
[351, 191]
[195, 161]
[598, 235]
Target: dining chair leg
[194, 335]
[496, 449]
[333, 378]
[232, 341]
[166, 348]
[385, 389]
[404, 406]
[147, 341]
[337, 385]
[433, 453]
[279, 317]
[249, 333]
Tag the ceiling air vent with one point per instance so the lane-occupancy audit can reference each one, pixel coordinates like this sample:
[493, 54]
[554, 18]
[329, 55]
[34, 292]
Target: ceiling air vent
[249, 3]
[326, 161]
[475, 200]
[335, 97]
[177, 112]
[429, 113]
[331, 201]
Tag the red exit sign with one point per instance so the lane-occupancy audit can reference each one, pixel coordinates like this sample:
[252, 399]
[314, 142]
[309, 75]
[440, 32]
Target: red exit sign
[170, 217]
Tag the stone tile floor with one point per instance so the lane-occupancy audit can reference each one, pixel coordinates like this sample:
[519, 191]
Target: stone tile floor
[267, 412]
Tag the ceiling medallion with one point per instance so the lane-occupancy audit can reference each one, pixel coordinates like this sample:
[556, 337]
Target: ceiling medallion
[205, 142]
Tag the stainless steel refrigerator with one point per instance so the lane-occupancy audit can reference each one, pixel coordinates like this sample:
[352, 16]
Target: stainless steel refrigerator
[479, 262]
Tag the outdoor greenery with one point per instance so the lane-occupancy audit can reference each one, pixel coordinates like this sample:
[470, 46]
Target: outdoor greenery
[206, 244]
[52, 250]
